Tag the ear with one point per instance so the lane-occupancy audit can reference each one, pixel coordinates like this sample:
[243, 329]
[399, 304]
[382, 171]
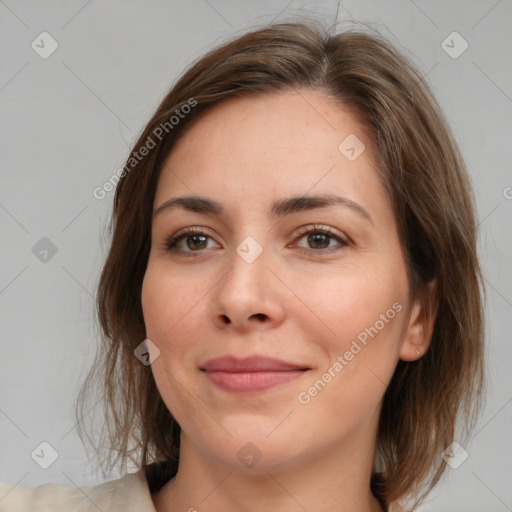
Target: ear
[418, 333]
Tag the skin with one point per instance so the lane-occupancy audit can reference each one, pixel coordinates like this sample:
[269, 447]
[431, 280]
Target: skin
[296, 301]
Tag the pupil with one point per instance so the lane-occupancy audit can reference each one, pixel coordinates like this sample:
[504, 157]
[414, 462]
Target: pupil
[195, 238]
[318, 238]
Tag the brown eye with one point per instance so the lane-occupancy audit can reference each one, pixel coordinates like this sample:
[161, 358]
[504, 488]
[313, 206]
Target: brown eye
[195, 240]
[319, 239]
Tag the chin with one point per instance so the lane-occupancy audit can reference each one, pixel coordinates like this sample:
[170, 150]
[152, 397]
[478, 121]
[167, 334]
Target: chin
[263, 454]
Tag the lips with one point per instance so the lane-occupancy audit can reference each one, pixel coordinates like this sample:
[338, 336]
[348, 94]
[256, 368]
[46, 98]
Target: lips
[254, 373]
[249, 364]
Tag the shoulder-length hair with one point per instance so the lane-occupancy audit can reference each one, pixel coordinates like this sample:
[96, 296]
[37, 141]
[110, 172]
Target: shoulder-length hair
[427, 182]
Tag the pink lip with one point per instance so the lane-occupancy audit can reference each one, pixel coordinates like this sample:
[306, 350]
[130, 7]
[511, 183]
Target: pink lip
[255, 373]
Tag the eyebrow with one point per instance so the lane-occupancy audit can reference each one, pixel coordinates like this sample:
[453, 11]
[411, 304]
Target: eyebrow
[280, 208]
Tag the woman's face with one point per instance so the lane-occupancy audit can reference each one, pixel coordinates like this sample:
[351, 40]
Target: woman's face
[320, 285]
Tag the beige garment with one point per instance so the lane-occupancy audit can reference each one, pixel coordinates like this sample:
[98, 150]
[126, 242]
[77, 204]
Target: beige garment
[129, 493]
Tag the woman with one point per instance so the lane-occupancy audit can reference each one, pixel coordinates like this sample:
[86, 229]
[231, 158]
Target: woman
[291, 304]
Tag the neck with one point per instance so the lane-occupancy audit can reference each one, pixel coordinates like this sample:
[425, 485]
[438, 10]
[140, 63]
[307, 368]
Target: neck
[335, 479]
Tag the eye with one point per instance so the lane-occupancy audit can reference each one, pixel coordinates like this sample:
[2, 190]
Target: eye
[195, 240]
[319, 239]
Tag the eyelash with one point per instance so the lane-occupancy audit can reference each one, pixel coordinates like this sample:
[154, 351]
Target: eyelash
[170, 244]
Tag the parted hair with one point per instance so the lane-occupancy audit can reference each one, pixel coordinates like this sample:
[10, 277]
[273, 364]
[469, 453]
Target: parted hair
[428, 185]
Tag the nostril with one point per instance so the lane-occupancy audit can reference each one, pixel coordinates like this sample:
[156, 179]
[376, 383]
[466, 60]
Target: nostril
[257, 316]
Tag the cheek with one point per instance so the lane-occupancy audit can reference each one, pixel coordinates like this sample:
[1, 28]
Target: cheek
[359, 363]
[169, 306]
[343, 303]
[169, 303]
[362, 312]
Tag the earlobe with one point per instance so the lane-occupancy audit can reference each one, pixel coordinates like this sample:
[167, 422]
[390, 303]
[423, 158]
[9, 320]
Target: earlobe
[418, 334]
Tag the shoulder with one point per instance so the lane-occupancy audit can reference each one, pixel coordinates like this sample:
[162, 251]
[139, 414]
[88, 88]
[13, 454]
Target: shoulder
[128, 493]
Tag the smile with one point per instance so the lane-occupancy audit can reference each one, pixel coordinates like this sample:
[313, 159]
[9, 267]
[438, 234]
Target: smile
[255, 373]
[252, 381]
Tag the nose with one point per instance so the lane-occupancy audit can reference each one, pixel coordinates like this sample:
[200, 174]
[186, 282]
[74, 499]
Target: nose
[249, 296]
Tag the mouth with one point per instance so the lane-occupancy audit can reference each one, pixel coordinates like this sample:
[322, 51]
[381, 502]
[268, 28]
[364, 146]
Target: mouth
[255, 373]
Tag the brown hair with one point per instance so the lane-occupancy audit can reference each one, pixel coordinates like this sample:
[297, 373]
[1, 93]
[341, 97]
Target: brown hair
[428, 185]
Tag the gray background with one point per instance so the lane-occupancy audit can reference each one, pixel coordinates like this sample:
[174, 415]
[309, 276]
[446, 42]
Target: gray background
[66, 123]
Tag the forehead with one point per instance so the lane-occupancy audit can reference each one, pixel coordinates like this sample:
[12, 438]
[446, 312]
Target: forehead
[267, 145]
